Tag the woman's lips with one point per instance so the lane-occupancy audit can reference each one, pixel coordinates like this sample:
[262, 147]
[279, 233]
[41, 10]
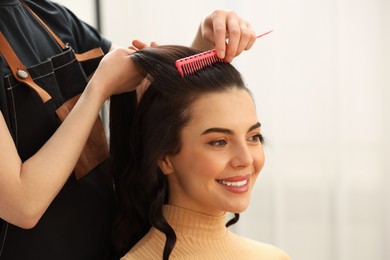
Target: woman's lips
[237, 184]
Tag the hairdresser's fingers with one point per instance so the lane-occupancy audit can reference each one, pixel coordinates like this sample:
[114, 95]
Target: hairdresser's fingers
[241, 36]
[251, 40]
[142, 87]
[116, 73]
[139, 44]
[219, 33]
[252, 37]
[248, 37]
[153, 44]
[131, 47]
[234, 35]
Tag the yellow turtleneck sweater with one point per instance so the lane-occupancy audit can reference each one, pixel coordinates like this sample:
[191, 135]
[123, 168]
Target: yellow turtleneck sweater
[201, 236]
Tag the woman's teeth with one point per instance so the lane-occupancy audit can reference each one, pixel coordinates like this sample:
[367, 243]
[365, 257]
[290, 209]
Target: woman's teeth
[234, 184]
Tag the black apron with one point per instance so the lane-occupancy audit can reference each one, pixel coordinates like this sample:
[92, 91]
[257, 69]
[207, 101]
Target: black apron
[77, 225]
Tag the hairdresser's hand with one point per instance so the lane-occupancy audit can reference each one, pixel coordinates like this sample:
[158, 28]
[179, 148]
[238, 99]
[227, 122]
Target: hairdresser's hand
[116, 74]
[139, 45]
[221, 25]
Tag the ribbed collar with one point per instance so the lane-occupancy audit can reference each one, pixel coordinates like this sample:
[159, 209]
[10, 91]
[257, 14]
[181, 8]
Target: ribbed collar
[197, 225]
[9, 2]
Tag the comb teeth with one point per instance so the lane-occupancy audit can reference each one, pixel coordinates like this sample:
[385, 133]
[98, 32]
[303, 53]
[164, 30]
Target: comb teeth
[191, 64]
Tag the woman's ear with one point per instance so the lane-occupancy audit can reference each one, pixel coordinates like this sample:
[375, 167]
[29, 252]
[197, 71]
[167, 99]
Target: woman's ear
[165, 165]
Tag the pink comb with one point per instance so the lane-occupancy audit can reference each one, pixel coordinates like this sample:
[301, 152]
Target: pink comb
[191, 64]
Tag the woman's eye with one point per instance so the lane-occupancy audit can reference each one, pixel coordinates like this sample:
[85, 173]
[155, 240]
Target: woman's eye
[219, 142]
[256, 138]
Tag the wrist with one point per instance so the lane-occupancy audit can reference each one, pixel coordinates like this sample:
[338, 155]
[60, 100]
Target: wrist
[95, 92]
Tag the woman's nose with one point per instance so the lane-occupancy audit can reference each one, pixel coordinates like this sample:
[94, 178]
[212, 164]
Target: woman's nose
[241, 156]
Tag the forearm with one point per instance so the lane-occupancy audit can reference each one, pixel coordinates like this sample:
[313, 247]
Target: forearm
[28, 188]
[42, 176]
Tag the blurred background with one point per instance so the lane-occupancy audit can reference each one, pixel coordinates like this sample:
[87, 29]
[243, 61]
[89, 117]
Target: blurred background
[321, 82]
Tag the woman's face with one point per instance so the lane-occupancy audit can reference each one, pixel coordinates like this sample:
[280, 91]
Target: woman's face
[220, 157]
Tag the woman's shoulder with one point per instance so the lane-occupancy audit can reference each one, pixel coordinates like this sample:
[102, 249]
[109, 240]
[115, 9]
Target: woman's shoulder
[268, 251]
[150, 246]
[257, 248]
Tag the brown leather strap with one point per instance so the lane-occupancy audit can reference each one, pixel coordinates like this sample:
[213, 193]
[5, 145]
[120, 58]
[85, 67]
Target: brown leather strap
[88, 55]
[18, 70]
[96, 148]
[91, 54]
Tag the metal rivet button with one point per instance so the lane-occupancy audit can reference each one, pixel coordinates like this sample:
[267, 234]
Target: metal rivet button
[23, 74]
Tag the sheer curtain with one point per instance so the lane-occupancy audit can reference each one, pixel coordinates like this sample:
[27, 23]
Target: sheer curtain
[321, 83]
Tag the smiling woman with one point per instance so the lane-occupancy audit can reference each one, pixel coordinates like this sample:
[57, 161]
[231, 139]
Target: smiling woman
[220, 156]
[184, 153]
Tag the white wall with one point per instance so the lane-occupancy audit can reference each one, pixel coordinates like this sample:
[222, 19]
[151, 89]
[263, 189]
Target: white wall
[321, 82]
[84, 9]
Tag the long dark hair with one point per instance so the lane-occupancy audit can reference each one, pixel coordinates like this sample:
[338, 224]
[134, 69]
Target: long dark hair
[141, 134]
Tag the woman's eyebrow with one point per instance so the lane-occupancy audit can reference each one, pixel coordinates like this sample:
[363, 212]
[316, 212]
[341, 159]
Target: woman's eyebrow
[228, 131]
[257, 125]
[217, 130]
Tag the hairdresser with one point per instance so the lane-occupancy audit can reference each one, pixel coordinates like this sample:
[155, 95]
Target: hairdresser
[56, 197]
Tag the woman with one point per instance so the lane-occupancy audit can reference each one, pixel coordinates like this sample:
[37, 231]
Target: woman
[192, 152]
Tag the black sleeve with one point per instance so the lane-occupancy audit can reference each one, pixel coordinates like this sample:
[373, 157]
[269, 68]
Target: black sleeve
[84, 34]
[78, 34]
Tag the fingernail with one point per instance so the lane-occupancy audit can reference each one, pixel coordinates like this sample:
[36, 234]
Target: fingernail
[221, 54]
